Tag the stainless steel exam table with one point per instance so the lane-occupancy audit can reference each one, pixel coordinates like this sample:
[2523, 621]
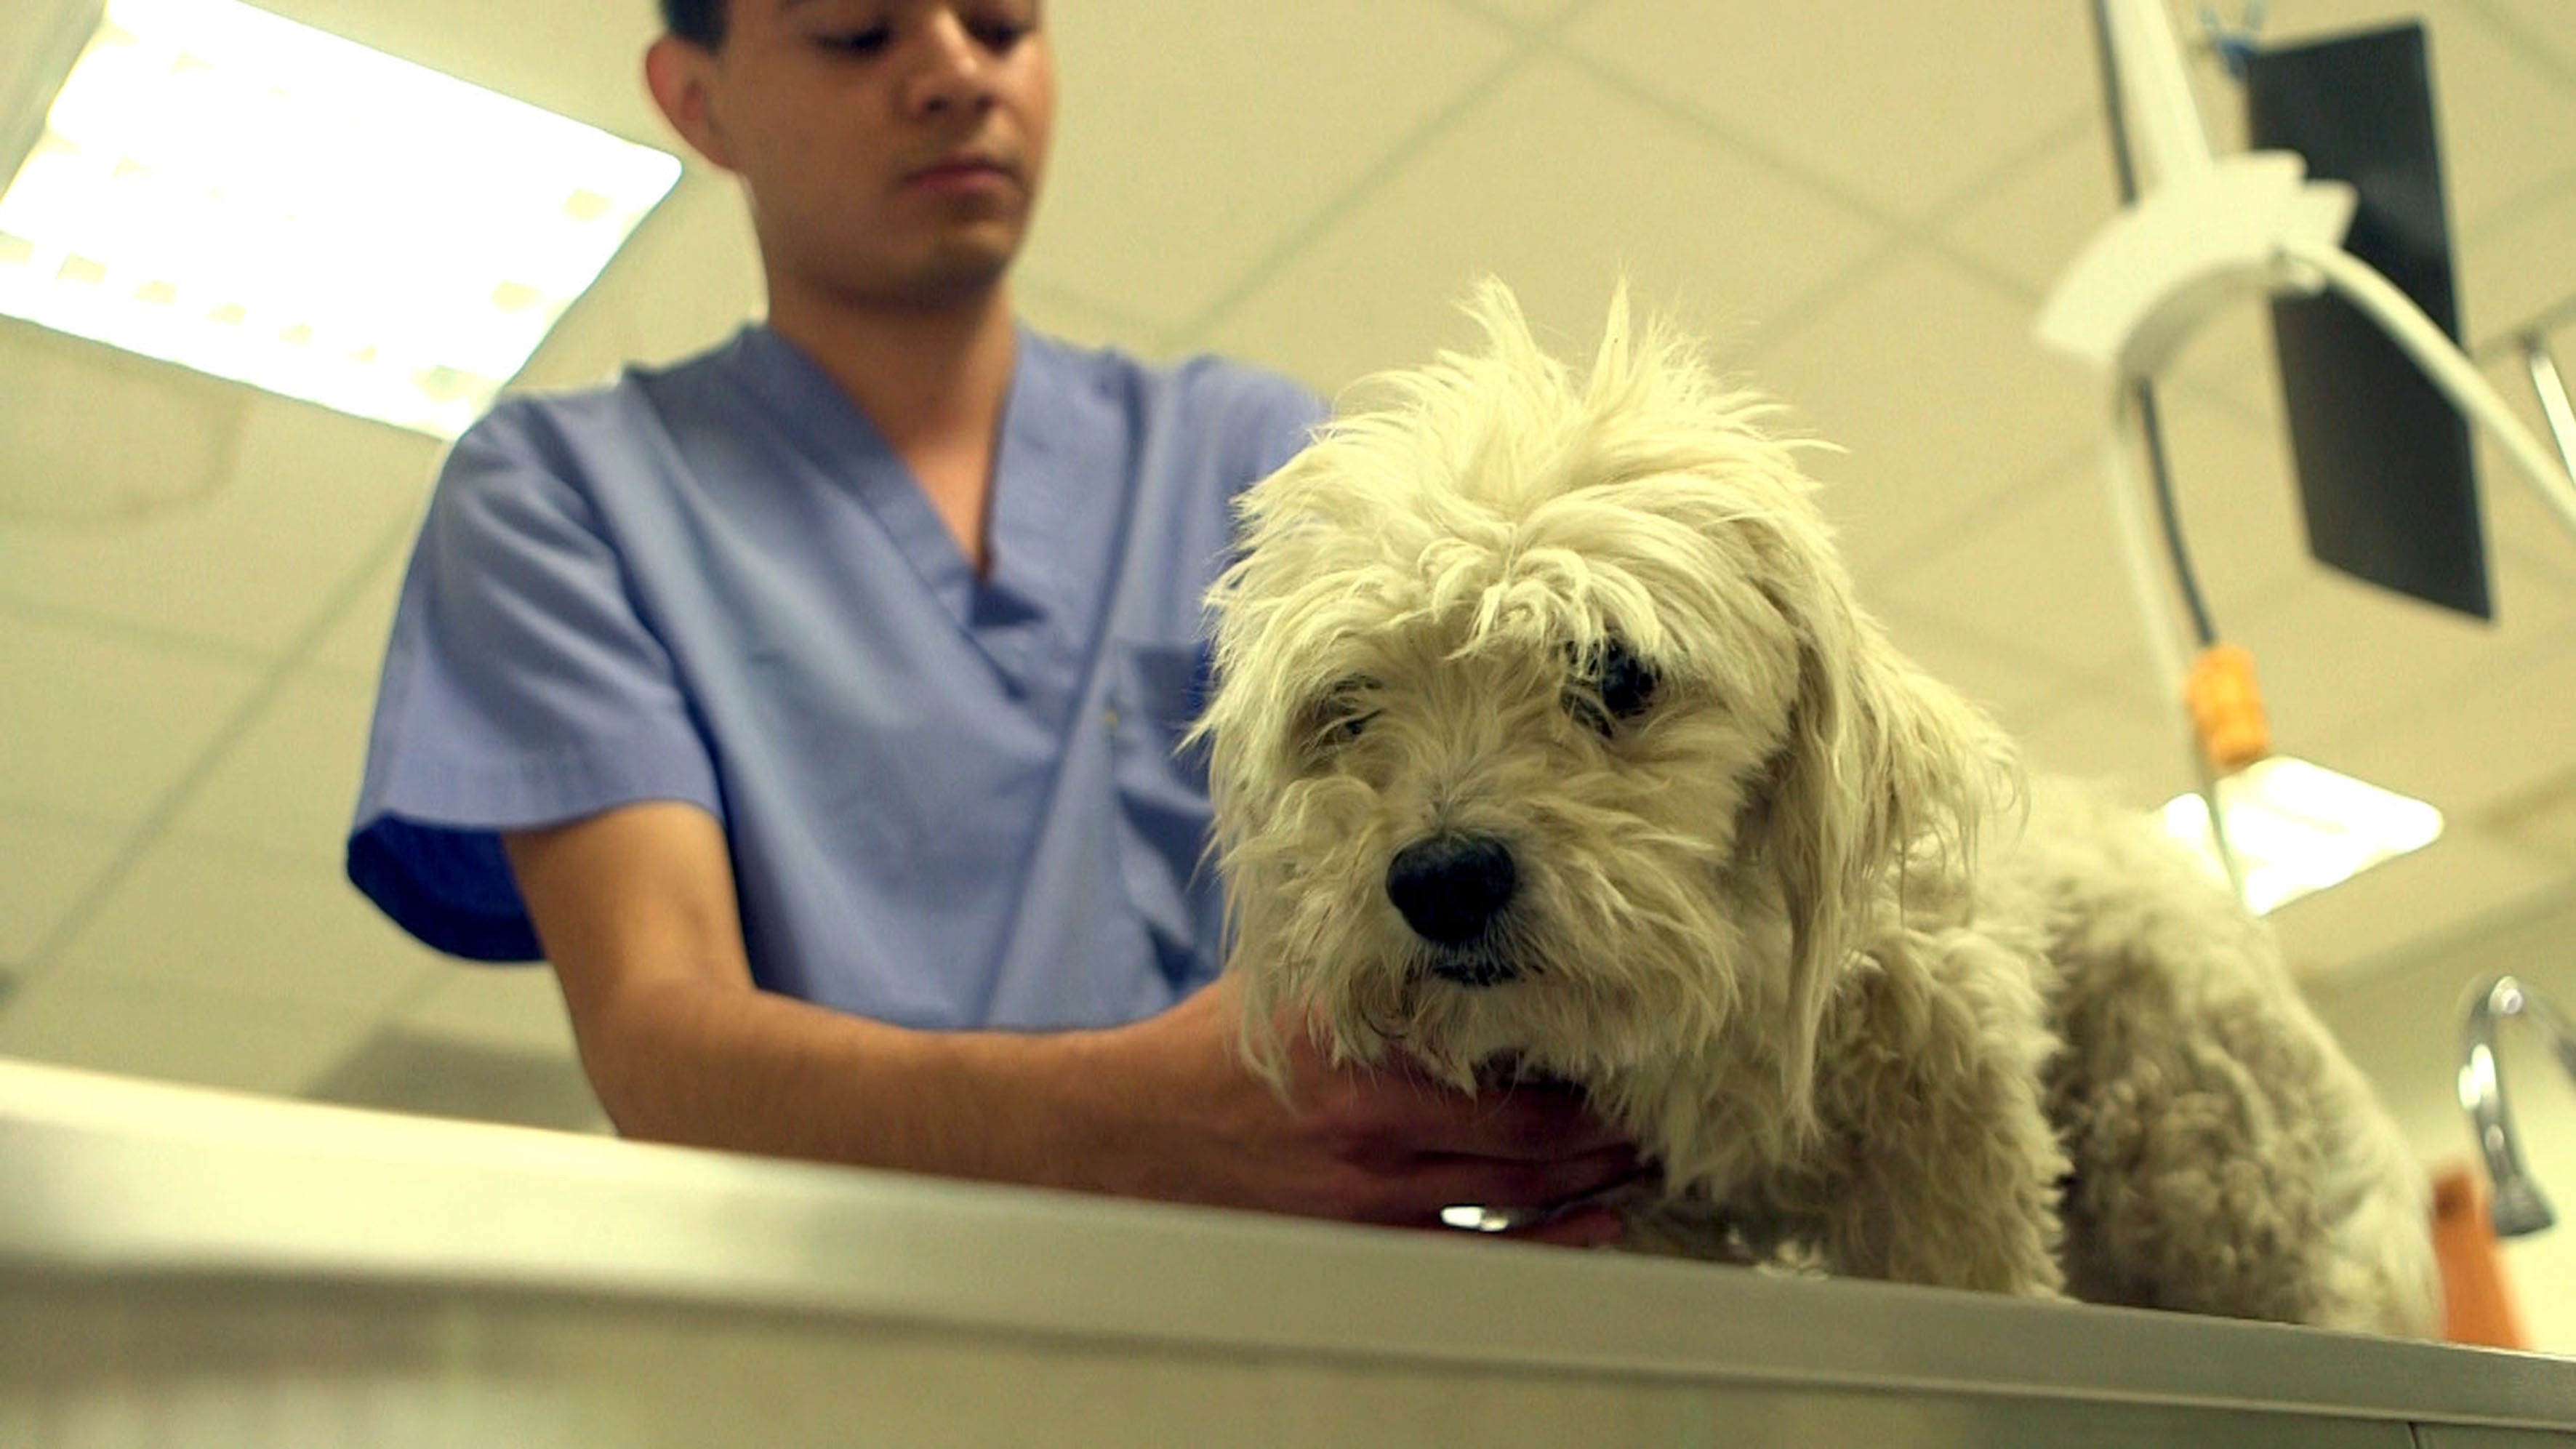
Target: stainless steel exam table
[181, 1268]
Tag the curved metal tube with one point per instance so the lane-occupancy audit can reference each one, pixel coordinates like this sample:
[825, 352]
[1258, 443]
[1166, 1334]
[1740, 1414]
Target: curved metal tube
[2555, 404]
[2519, 1208]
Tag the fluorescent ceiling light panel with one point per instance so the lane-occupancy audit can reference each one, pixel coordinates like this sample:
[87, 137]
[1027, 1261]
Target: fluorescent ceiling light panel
[259, 200]
[2297, 828]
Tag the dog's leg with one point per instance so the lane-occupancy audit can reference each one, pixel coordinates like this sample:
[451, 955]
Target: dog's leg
[2229, 1158]
[2231, 1162]
[1949, 1170]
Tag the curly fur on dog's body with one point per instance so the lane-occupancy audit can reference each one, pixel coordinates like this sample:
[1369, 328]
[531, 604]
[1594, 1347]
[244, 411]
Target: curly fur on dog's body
[1776, 903]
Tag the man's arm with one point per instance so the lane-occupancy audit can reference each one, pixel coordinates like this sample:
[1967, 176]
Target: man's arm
[636, 909]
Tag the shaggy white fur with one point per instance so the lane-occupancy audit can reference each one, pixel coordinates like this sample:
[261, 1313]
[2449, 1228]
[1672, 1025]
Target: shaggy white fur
[1549, 741]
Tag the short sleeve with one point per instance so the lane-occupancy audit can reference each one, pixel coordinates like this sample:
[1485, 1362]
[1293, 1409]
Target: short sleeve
[522, 687]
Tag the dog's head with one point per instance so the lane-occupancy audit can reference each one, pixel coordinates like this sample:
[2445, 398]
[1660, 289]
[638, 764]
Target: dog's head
[1546, 728]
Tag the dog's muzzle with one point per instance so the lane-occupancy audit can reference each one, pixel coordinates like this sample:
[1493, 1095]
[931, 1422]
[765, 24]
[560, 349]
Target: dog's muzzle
[1449, 888]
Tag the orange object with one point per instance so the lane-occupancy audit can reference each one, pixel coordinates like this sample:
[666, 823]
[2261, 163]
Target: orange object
[2227, 708]
[2477, 1302]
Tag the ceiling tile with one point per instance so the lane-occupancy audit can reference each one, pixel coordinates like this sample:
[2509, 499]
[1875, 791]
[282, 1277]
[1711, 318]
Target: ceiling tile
[60, 396]
[35, 39]
[2119, 741]
[2234, 485]
[355, 646]
[691, 277]
[505, 1008]
[2033, 223]
[2330, 649]
[1928, 381]
[2548, 26]
[288, 782]
[247, 924]
[304, 494]
[2017, 690]
[102, 727]
[1080, 320]
[2231, 356]
[2471, 745]
[2512, 272]
[2542, 821]
[1531, 13]
[1559, 186]
[178, 1032]
[1905, 105]
[2443, 708]
[2045, 569]
[53, 861]
[2444, 886]
[1195, 140]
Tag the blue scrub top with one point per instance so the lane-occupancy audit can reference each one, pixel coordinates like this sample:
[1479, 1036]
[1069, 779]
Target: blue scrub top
[952, 802]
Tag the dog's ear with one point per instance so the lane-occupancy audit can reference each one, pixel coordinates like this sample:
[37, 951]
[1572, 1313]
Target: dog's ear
[1886, 774]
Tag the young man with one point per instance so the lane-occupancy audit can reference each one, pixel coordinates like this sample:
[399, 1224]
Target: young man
[811, 704]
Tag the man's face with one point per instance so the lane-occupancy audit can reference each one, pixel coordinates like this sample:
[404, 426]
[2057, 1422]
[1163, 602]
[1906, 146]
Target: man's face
[892, 148]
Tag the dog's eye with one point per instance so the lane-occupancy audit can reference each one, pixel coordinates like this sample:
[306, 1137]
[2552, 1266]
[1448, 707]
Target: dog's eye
[1342, 715]
[1612, 685]
[1627, 685]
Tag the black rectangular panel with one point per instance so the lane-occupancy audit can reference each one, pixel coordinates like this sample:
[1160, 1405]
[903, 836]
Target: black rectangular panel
[2386, 477]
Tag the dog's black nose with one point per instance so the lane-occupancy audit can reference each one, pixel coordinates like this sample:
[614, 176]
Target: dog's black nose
[1449, 886]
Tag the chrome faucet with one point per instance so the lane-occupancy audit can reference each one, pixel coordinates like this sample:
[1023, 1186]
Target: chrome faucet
[2519, 1207]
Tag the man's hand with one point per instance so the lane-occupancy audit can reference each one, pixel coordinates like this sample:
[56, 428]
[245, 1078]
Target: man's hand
[1387, 1145]
[636, 908]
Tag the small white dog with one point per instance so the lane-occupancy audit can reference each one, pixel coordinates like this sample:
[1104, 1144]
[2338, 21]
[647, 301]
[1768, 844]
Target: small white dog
[1549, 742]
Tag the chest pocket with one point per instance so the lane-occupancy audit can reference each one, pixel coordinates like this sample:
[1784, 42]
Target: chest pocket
[1156, 691]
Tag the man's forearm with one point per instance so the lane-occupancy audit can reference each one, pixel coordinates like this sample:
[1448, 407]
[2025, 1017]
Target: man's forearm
[748, 1071]
[1162, 1108]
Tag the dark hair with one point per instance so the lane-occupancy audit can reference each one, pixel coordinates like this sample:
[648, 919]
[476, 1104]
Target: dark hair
[699, 22]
